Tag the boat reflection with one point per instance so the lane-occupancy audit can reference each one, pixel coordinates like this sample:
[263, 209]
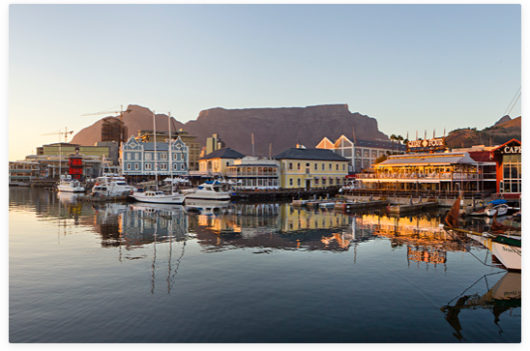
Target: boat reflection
[504, 296]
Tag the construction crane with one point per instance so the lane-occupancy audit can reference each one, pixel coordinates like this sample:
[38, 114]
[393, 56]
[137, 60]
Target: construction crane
[121, 112]
[60, 133]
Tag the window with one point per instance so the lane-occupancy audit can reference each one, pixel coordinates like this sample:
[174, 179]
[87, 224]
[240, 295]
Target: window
[163, 156]
[298, 166]
[175, 167]
[163, 166]
[299, 182]
[136, 166]
[148, 156]
[343, 167]
[128, 166]
[316, 166]
[330, 167]
[147, 166]
[330, 181]
[324, 181]
[323, 167]
[290, 166]
[182, 166]
[227, 163]
[136, 156]
[316, 181]
[291, 181]
[337, 167]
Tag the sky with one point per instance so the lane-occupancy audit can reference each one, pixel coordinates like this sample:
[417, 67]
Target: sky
[412, 67]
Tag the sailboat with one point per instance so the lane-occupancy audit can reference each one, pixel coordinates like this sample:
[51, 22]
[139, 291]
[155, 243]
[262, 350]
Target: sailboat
[503, 241]
[157, 196]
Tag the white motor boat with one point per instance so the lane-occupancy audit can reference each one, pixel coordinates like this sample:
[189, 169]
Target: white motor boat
[158, 197]
[112, 185]
[501, 210]
[210, 190]
[68, 184]
[206, 207]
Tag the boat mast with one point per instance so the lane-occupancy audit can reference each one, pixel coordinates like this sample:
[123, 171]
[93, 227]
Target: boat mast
[156, 164]
[170, 155]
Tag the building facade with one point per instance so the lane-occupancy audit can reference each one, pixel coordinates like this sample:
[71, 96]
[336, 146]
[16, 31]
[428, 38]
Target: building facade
[216, 163]
[254, 173]
[508, 164]
[141, 158]
[362, 154]
[433, 172]
[311, 168]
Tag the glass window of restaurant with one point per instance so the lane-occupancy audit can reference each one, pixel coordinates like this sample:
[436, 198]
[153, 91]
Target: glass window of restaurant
[511, 168]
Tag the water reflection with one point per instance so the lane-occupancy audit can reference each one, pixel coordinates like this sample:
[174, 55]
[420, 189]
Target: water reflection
[295, 268]
[504, 296]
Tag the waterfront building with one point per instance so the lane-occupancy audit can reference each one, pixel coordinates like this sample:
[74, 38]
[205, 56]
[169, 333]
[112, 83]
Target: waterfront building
[22, 172]
[254, 173]
[138, 158]
[361, 153]
[53, 158]
[507, 158]
[311, 168]
[216, 163]
[434, 172]
[145, 135]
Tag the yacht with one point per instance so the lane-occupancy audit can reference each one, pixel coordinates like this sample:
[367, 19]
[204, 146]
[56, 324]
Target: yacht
[210, 190]
[158, 197]
[68, 184]
[110, 185]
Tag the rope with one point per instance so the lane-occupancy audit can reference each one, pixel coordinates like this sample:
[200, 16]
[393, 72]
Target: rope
[457, 238]
[462, 293]
[517, 92]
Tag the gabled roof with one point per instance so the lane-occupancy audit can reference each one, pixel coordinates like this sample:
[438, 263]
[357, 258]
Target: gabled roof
[325, 144]
[309, 154]
[506, 143]
[223, 153]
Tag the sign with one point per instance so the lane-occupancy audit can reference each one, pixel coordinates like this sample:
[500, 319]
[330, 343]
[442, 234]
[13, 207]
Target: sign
[426, 145]
[511, 150]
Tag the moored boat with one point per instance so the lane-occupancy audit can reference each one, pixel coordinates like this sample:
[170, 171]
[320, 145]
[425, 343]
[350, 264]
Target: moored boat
[500, 210]
[210, 190]
[503, 241]
[111, 185]
[67, 184]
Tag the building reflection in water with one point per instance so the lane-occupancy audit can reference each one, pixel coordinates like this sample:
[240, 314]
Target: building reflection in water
[273, 226]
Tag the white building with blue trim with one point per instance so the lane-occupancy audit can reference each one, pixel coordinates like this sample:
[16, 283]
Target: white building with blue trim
[138, 158]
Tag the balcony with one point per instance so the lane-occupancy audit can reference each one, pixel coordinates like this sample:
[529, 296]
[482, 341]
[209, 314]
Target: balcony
[419, 176]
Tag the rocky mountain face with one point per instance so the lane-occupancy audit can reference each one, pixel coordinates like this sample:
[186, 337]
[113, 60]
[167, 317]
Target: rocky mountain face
[281, 127]
[137, 119]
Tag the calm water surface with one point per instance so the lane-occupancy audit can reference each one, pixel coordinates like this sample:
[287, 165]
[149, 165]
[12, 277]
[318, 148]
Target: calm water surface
[247, 273]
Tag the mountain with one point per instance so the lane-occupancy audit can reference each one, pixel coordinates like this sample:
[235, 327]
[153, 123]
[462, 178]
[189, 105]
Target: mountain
[502, 131]
[137, 119]
[282, 127]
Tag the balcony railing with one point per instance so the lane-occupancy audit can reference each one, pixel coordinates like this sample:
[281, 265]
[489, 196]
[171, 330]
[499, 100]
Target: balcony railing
[419, 176]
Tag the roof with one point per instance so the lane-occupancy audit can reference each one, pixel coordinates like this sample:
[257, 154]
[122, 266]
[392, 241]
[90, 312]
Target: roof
[309, 154]
[223, 153]
[446, 158]
[480, 156]
[506, 143]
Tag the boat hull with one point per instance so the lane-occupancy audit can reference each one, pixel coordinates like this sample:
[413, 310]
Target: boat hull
[70, 189]
[166, 199]
[509, 255]
[213, 197]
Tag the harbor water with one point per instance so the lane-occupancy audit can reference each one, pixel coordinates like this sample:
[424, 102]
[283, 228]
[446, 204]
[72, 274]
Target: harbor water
[247, 273]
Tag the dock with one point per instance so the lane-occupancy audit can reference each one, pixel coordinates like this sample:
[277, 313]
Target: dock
[400, 209]
[357, 205]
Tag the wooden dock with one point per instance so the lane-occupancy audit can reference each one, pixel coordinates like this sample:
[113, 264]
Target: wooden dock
[400, 209]
[348, 206]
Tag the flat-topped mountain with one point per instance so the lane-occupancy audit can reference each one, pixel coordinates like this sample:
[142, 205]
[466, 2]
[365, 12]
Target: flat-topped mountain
[282, 127]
